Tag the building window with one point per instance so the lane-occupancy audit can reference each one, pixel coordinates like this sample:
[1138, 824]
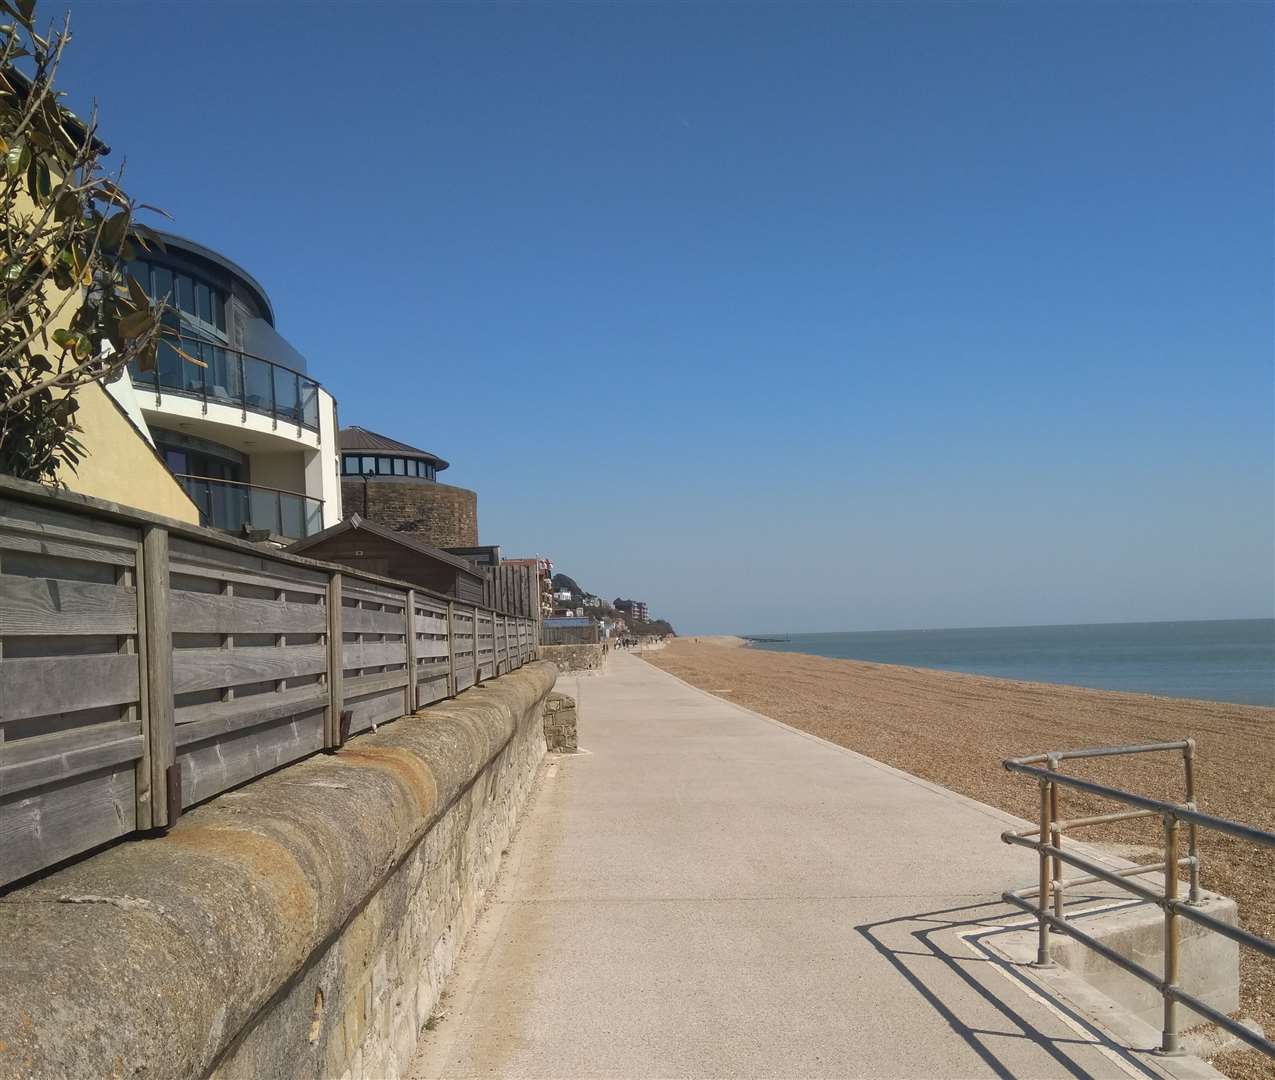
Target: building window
[363, 465]
[200, 302]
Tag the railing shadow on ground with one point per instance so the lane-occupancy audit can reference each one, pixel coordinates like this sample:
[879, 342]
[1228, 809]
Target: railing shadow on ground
[962, 924]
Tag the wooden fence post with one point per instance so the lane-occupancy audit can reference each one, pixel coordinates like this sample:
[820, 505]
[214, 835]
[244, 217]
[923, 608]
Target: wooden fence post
[336, 665]
[410, 697]
[161, 741]
[451, 650]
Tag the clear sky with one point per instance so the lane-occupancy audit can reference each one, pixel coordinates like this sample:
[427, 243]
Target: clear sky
[779, 316]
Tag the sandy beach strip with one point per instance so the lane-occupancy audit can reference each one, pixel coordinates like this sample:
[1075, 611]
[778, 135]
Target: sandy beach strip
[955, 730]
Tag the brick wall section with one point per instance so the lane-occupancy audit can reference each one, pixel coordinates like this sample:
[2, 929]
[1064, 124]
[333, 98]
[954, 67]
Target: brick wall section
[434, 513]
[560, 723]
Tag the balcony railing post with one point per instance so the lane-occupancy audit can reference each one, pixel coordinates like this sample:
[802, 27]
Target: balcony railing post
[243, 388]
[1170, 1042]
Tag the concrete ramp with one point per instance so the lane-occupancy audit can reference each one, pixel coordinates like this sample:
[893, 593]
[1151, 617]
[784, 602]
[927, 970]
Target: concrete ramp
[706, 893]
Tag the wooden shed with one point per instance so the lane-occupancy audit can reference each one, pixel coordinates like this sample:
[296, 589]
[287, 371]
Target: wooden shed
[362, 545]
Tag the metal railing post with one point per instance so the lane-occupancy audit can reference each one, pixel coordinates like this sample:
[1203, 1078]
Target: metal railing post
[1047, 801]
[1170, 1043]
[1055, 838]
[1193, 850]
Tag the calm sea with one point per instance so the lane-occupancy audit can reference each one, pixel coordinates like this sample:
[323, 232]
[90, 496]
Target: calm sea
[1225, 660]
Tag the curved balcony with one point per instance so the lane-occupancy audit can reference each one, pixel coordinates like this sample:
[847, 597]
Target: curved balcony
[229, 505]
[230, 377]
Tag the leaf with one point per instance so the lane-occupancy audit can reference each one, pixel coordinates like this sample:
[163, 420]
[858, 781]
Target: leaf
[186, 356]
[135, 290]
[114, 230]
[136, 324]
[146, 233]
[13, 162]
[67, 206]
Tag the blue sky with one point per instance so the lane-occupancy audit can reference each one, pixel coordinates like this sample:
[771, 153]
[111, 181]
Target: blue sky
[780, 316]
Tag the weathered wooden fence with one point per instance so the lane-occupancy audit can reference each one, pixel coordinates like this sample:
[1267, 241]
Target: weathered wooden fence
[146, 665]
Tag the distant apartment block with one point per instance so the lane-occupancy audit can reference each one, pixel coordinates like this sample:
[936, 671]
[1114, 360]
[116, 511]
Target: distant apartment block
[245, 429]
[637, 609]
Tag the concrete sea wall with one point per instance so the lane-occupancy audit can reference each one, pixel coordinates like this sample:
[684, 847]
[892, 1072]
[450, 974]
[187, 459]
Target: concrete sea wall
[301, 925]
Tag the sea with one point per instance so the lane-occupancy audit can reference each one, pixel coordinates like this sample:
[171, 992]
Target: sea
[1217, 660]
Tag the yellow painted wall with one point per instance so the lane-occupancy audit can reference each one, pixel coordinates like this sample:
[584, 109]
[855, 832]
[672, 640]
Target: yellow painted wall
[120, 465]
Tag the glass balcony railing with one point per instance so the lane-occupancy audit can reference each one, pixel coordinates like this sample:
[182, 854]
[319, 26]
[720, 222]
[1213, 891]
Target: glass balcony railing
[232, 378]
[226, 504]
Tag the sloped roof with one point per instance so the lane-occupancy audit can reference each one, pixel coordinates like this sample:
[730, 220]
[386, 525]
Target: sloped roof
[402, 539]
[359, 438]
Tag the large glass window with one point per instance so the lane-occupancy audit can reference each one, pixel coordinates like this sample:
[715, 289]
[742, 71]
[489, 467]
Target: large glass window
[197, 299]
[185, 293]
[161, 284]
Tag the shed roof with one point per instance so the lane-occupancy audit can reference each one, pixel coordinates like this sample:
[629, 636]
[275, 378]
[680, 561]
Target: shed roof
[558, 620]
[401, 539]
[359, 438]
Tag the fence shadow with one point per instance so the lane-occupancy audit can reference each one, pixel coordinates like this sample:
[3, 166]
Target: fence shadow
[955, 938]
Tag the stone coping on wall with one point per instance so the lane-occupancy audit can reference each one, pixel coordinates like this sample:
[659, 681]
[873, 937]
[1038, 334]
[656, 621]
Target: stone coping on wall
[151, 956]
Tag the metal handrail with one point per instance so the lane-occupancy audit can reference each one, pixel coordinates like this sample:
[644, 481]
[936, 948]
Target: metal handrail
[1047, 839]
[150, 380]
[308, 504]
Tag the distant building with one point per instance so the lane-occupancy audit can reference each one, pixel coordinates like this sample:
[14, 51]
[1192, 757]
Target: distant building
[364, 545]
[563, 594]
[592, 602]
[635, 608]
[396, 485]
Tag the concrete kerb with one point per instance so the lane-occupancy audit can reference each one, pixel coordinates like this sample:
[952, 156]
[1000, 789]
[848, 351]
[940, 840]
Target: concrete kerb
[157, 955]
[1060, 987]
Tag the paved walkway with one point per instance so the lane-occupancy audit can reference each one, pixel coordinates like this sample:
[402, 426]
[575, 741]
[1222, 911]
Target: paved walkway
[708, 893]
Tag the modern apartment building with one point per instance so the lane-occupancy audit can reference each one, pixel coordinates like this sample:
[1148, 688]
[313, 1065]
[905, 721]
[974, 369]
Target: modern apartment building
[250, 434]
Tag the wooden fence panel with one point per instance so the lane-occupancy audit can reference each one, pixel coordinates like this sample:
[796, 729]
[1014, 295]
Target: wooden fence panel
[484, 646]
[432, 650]
[249, 664]
[71, 735]
[375, 675]
[465, 672]
[145, 666]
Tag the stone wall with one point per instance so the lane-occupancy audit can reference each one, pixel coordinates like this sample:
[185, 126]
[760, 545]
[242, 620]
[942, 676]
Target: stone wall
[576, 658]
[433, 513]
[301, 925]
[560, 723]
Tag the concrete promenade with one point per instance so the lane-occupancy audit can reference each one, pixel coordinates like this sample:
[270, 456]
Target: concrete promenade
[707, 893]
